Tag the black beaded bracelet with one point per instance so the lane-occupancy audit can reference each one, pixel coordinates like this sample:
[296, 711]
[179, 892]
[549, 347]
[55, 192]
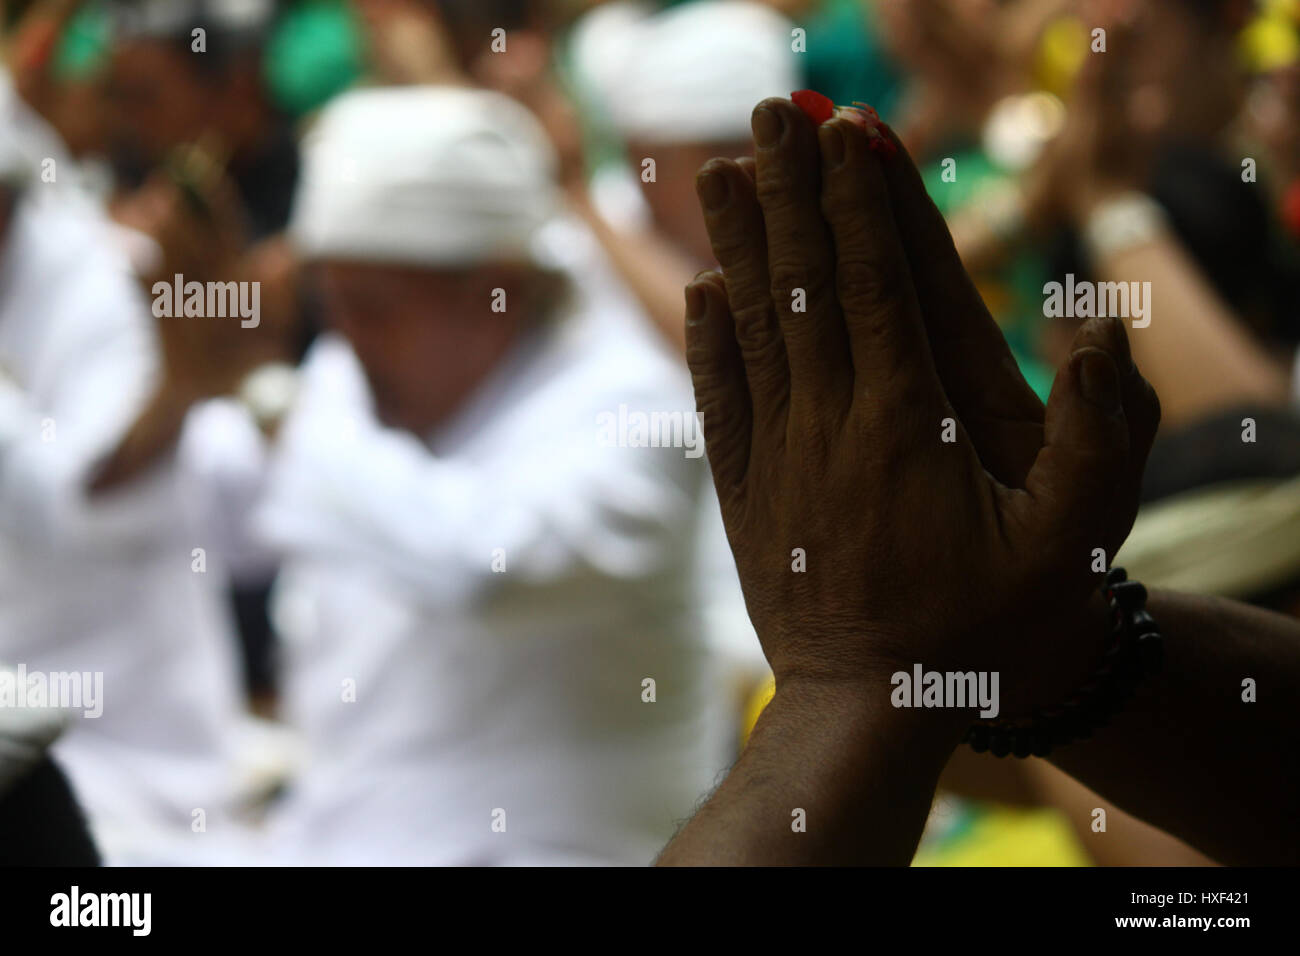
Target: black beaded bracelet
[1136, 651]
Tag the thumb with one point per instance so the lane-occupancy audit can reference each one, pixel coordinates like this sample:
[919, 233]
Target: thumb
[1075, 478]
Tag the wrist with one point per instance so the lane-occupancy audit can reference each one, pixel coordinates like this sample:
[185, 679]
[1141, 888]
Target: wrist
[861, 710]
[1115, 220]
[1132, 649]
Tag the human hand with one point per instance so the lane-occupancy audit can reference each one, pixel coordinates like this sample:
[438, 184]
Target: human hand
[886, 434]
[197, 223]
[1106, 145]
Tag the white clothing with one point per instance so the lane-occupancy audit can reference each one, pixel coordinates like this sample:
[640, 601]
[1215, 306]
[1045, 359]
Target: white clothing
[103, 586]
[483, 696]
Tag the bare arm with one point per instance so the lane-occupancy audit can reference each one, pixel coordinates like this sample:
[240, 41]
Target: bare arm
[652, 269]
[1189, 755]
[829, 777]
[1196, 353]
[151, 436]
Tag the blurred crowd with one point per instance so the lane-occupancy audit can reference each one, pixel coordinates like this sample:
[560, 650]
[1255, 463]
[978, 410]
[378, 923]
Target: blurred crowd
[345, 428]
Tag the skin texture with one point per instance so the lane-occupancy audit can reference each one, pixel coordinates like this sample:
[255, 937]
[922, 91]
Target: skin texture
[824, 430]
[850, 398]
[823, 433]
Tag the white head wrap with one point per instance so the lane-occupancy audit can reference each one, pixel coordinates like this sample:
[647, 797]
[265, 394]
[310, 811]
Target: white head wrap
[431, 176]
[163, 18]
[689, 74]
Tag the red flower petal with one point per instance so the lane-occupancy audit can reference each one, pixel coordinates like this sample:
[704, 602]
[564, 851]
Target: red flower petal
[818, 108]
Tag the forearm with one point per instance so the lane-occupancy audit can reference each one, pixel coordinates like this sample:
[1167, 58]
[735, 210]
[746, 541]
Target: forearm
[862, 772]
[153, 434]
[1196, 353]
[653, 271]
[1188, 754]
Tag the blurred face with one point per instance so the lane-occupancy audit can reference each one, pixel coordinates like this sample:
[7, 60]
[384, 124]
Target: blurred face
[927, 36]
[1186, 82]
[671, 198]
[427, 339]
[158, 99]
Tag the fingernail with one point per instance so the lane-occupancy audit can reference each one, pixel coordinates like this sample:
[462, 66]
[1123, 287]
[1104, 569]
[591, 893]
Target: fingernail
[768, 127]
[868, 120]
[832, 142]
[715, 191]
[695, 303]
[1098, 379]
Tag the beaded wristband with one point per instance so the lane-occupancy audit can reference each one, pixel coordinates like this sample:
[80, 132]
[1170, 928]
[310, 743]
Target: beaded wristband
[1136, 651]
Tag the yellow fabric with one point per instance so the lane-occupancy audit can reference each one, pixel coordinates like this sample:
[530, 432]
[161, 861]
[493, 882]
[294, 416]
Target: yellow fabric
[1002, 836]
[1272, 39]
[1269, 42]
[757, 701]
[1060, 54]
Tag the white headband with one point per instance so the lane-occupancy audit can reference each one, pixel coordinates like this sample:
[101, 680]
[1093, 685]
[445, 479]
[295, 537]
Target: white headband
[689, 74]
[434, 176]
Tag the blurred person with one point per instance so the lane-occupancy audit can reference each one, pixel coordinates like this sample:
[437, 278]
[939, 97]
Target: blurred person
[675, 85]
[1274, 122]
[1191, 225]
[196, 73]
[1145, 183]
[967, 67]
[672, 84]
[481, 593]
[960, 58]
[33, 34]
[41, 823]
[1145, 157]
[166, 91]
[102, 584]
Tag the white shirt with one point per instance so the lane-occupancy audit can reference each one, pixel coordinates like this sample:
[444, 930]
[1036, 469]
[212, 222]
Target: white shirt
[105, 586]
[438, 696]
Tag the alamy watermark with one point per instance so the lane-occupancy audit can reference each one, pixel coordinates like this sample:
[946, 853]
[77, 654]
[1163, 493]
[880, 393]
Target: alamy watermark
[955, 689]
[1101, 300]
[133, 911]
[630, 428]
[63, 690]
[214, 300]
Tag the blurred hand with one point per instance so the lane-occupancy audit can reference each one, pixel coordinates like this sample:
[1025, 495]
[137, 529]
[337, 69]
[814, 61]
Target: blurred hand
[526, 75]
[826, 430]
[202, 238]
[1106, 145]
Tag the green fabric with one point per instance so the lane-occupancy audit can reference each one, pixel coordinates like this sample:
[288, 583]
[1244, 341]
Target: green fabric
[844, 60]
[1018, 286]
[315, 52]
[83, 49]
